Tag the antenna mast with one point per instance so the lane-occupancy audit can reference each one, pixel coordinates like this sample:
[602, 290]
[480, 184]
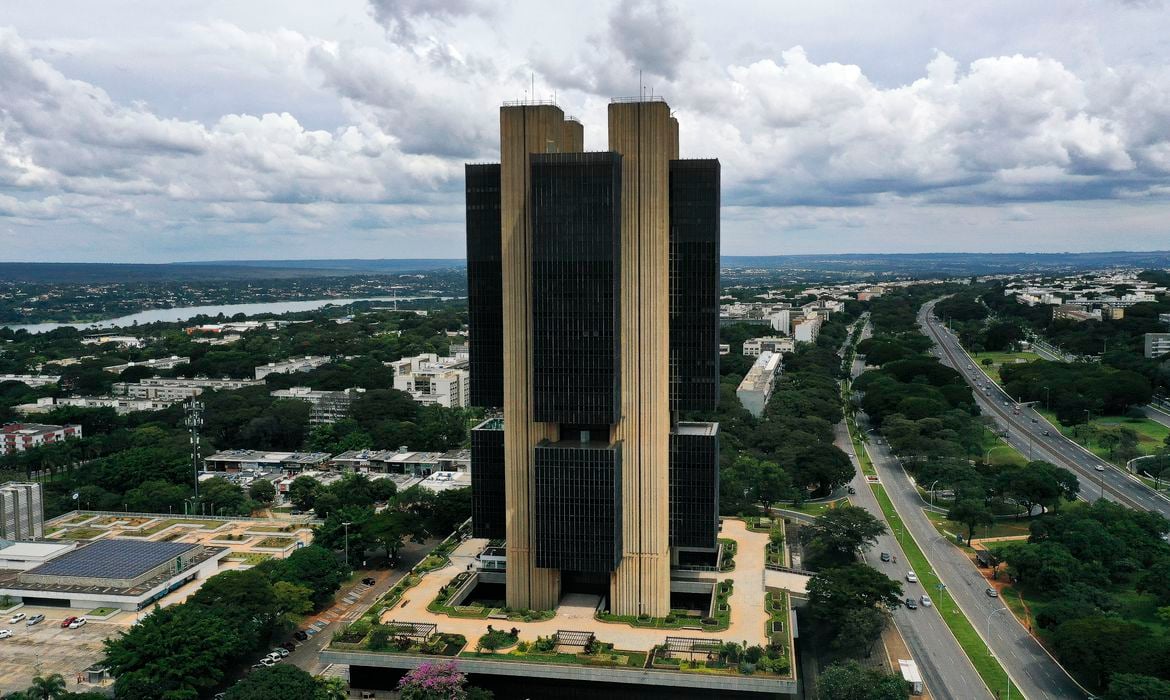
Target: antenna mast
[194, 421]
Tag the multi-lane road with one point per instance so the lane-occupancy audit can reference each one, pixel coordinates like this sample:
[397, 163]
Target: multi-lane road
[1027, 430]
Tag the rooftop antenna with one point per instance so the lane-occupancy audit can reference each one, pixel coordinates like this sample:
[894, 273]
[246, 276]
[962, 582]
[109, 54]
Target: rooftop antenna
[532, 75]
[641, 88]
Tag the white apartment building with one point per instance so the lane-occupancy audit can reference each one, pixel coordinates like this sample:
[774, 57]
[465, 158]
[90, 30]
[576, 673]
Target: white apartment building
[756, 388]
[125, 341]
[806, 330]
[1157, 344]
[299, 364]
[325, 406]
[177, 389]
[753, 347]
[31, 380]
[431, 379]
[18, 437]
[160, 363]
[120, 405]
[782, 321]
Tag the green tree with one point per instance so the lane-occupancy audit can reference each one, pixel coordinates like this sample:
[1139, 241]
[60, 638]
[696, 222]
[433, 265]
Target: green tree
[313, 567]
[971, 513]
[852, 586]
[850, 681]
[292, 599]
[840, 534]
[390, 528]
[262, 491]
[1129, 686]
[283, 681]
[50, 687]
[303, 492]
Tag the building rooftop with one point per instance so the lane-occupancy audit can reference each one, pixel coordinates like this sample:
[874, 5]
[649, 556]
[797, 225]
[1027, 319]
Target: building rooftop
[697, 428]
[33, 550]
[113, 559]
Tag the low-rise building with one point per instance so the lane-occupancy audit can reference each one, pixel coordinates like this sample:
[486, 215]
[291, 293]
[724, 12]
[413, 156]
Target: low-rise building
[18, 437]
[753, 347]
[31, 380]
[430, 379]
[160, 363]
[299, 364]
[325, 406]
[233, 461]
[756, 388]
[724, 349]
[1070, 312]
[233, 327]
[177, 389]
[1157, 344]
[123, 341]
[121, 406]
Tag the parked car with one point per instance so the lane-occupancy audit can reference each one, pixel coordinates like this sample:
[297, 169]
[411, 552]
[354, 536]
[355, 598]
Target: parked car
[5, 634]
[300, 635]
[67, 621]
[926, 601]
[991, 592]
[259, 665]
[885, 556]
[911, 577]
[16, 618]
[79, 622]
[281, 652]
[289, 645]
[910, 604]
[35, 619]
[1035, 420]
[369, 581]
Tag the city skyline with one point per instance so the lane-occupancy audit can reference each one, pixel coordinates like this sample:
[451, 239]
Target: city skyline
[240, 132]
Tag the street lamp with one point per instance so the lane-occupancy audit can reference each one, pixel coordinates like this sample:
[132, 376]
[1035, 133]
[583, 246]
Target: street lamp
[989, 622]
[932, 493]
[1047, 394]
[347, 524]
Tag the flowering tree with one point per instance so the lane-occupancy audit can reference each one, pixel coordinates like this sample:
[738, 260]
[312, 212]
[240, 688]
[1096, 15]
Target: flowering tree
[433, 681]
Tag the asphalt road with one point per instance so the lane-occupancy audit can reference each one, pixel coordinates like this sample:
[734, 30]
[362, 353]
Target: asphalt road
[1158, 415]
[944, 666]
[1026, 431]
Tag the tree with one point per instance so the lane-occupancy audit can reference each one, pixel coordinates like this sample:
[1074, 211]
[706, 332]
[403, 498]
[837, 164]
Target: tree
[283, 681]
[852, 586]
[433, 681]
[857, 630]
[1129, 686]
[842, 533]
[1097, 646]
[391, 527]
[971, 513]
[850, 681]
[303, 492]
[50, 687]
[262, 490]
[292, 599]
[313, 567]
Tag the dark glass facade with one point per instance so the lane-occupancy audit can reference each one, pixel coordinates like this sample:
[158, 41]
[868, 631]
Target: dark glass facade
[576, 252]
[485, 285]
[694, 285]
[694, 485]
[487, 479]
[578, 506]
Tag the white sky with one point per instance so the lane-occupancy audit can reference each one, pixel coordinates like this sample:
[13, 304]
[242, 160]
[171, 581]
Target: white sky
[217, 129]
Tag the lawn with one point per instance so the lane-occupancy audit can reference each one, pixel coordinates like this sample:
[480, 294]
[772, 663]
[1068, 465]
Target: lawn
[81, 533]
[814, 509]
[275, 542]
[1001, 528]
[985, 664]
[249, 558]
[998, 359]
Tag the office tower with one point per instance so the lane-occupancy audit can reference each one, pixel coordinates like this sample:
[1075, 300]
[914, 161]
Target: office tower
[22, 514]
[607, 308]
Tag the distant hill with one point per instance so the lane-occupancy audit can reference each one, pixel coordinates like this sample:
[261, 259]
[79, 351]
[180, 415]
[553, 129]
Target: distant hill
[98, 273]
[948, 264]
[346, 265]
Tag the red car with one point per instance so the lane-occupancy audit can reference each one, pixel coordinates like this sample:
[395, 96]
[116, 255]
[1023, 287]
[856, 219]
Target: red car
[68, 621]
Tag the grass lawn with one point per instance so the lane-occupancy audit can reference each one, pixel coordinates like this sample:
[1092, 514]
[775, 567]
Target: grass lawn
[275, 542]
[101, 612]
[250, 558]
[81, 533]
[998, 359]
[1001, 528]
[985, 664]
[813, 509]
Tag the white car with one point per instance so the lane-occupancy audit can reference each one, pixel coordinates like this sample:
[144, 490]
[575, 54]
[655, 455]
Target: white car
[79, 622]
[926, 601]
[5, 634]
[1098, 467]
[16, 618]
[911, 577]
[268, 661]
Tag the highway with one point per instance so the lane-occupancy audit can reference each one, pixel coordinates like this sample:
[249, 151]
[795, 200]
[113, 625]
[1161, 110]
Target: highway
[945, 668]
[1026, 431]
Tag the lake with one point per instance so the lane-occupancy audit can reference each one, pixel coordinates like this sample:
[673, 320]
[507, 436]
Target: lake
[184, 313]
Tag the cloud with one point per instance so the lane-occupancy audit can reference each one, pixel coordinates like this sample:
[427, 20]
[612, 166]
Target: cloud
[651, 34]
[400, 17]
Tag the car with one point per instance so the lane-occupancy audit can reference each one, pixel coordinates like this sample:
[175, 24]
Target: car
[926, 601]
[885, 556]
[68, 621]
[911, 577]
[1098, 467]
[369, 581]
[16, 618]
[1045, 433]
[991, 592]
[5, 634]
[281, 651]
[911, 604]
[970, 367]
[1035, 420]
[268, 661]
[1005, 403]
[79, 622]
[35, 619]
[289, 646]
[300, 635]
[258, 665]
[219, 696]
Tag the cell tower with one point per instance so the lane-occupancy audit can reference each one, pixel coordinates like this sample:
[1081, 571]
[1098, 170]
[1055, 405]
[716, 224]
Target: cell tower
[194, 421]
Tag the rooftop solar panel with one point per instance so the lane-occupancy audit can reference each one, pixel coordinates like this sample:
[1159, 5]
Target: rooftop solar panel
[114, 558]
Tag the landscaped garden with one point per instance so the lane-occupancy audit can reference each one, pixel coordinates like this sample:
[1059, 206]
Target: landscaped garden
[479, 609]
[683, 619]
[714, 656]
[551, 650]
[275, 542]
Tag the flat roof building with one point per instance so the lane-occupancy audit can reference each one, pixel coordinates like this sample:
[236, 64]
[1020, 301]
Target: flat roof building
[239, 460]
[752, 347]
[756, 388]
[299, 364]
[160, 363]
[177, 388]
[18, 437]
[430, 379]
[31, 380]
[22, 512]
[324, 406]
[121, 405]
[1157, 344]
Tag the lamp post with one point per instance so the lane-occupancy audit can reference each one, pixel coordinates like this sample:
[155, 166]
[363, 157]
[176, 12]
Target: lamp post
[989, 622]
[347, 524]
[1047, 395]
[932, 493]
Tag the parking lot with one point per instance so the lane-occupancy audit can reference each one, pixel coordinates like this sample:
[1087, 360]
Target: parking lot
[47, 648]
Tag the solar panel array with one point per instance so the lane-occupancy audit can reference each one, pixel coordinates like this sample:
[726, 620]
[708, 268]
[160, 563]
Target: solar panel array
[115, 558]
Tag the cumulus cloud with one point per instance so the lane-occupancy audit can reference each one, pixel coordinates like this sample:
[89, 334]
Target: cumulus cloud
[400, 17]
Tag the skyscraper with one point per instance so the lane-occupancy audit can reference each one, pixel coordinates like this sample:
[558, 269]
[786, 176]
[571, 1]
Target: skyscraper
[593, 290]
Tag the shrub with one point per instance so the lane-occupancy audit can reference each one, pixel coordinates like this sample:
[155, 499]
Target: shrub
[746, 668]
[522, 647]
